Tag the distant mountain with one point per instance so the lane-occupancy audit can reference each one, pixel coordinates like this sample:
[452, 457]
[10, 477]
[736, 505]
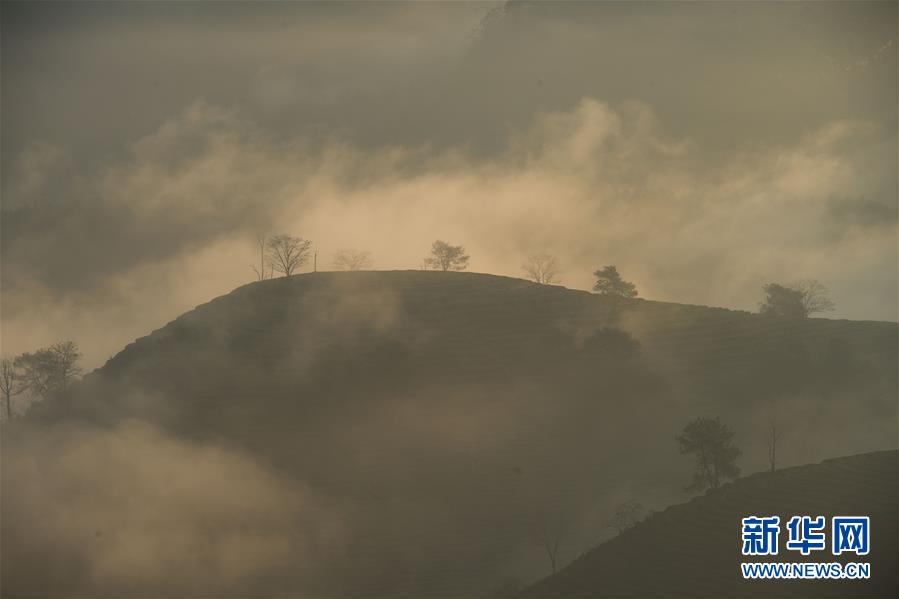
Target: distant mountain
[447, 418]
[694, 550]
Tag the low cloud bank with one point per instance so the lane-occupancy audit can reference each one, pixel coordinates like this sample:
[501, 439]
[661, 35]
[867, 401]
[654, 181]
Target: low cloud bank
[130, 510]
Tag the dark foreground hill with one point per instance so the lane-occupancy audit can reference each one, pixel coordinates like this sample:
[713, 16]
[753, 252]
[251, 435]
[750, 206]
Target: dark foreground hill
[693, 549]
[406, 434]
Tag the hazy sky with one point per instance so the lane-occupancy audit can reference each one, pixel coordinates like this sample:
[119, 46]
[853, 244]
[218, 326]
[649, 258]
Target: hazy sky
[703, 148]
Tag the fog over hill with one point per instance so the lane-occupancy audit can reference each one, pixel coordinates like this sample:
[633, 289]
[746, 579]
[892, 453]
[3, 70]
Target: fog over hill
[407, 433]
[390, 430]
[704, 148]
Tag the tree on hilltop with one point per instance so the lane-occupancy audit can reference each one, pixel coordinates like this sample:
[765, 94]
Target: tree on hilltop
[264, 270]
[287, 253]
[352, 260]
[798, 300]
[447, 257]
[542, 268]
[609, 282]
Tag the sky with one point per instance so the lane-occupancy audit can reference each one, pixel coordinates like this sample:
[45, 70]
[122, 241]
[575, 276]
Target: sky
[705, 149]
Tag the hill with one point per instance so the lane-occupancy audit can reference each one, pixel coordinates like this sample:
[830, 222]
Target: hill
[693, 549]
[440, 422]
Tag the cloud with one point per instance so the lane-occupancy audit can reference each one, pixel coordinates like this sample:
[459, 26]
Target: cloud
[664, 139]
[131, 509]
[171, 224]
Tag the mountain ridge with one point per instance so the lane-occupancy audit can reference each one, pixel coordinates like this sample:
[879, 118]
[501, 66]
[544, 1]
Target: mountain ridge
[258, 285]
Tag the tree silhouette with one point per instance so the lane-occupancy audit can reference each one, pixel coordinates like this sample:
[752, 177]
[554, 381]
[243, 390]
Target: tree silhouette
[447, 257]
[261, 274]
[550, 534]
[10, 384]
[798, 300]
[712, 444]
[609, 282]
[782, 301]
[287, 253]
[352, 260]
[542, 268]
[51, 369]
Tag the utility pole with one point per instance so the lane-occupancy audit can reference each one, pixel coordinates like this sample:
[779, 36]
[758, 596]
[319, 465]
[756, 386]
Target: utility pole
[315, 261]
[772, 448]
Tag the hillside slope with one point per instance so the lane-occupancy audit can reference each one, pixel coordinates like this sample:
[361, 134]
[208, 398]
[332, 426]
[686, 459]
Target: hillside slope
[339, 333]
[693, 549]
[446, 418]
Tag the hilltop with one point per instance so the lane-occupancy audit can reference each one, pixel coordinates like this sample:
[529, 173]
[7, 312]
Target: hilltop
[693, 549]
[446, 418]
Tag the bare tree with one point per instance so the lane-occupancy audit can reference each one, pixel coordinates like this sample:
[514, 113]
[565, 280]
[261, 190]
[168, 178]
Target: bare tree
[814, 296]
[550, 536]
[772, 447]
[287, 253]
[10, 384]
[50, 369]
[261, 274]
[542, 268]
[447, 257]
[352, 260]
[67, 356]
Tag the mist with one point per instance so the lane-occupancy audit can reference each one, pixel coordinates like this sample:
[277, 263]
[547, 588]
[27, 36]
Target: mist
[401, 431]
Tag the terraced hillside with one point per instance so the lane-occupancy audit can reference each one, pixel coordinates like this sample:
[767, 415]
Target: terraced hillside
[693, 549]
[438, 423]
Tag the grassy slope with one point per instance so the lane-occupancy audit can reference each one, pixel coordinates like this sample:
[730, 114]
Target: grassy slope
[693, 549]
